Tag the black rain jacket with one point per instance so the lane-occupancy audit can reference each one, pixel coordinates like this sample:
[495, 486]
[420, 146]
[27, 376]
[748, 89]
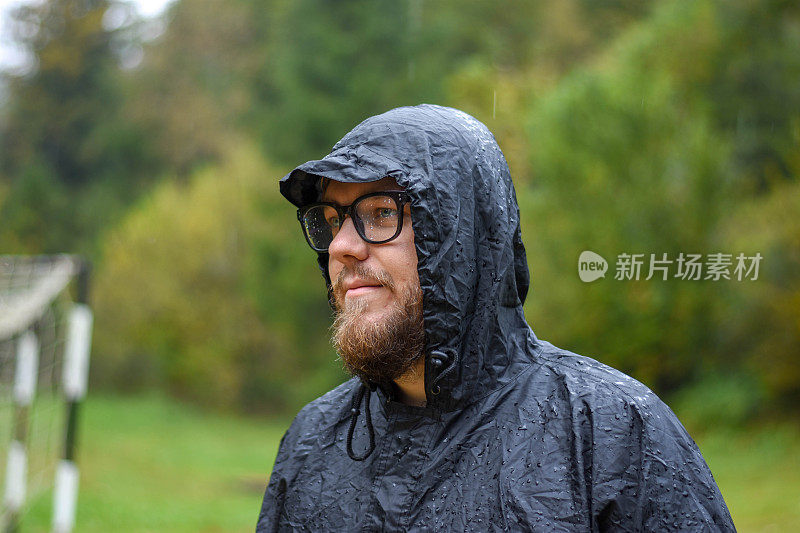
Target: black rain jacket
[517, 435]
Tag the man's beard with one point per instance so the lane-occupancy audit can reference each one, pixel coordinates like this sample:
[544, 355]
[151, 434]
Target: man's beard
[382, 350]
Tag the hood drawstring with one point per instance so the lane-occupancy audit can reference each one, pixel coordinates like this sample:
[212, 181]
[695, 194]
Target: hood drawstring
[367, 389]
[439, 359]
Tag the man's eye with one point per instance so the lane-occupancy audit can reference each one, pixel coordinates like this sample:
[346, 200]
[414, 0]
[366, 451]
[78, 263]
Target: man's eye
[333, 222]
[386, 212]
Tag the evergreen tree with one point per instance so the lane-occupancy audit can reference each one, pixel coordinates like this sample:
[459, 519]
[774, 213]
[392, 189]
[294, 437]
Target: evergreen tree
[68, 160]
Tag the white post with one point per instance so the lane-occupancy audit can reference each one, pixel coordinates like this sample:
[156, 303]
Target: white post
[65, 497]
[24, 389]
[76, 373]
[26, 370]
[16, 474]
[76, 355]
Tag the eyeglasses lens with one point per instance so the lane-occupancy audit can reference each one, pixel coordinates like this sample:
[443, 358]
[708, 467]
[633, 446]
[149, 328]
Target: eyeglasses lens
[378, 216]
[321, 223]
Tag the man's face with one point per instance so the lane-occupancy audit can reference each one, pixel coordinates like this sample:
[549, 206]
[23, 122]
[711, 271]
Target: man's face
[378, 331]
[386, 270]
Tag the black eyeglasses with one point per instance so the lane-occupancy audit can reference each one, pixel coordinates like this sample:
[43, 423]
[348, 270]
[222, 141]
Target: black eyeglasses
[377, 217]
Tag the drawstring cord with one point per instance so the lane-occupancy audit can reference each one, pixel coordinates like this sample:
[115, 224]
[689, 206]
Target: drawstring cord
[366, 388]
[438, 359]
[363, 389]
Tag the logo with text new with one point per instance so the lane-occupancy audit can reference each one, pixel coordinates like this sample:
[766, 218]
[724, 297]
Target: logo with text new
[591, 266]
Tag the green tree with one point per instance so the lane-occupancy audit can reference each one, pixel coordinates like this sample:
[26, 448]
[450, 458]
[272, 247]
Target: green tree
[332, 65]
[195, 80]
[639, 154]
[185, 302]
[67, 157]
[759, 326]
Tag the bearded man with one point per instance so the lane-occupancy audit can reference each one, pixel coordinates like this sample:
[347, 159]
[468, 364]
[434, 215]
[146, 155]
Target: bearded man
[458, 418]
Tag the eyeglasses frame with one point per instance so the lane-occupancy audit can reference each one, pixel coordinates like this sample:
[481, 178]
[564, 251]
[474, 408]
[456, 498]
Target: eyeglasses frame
[401, 198]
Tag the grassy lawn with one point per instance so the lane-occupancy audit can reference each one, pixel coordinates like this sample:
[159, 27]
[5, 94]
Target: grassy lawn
[150, 464]
[758, 472]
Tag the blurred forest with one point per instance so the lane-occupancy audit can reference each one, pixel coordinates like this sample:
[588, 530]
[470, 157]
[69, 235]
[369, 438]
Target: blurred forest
[154, 148]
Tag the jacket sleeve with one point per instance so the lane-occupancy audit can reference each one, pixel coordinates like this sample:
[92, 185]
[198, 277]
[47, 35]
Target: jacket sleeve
[657, 479]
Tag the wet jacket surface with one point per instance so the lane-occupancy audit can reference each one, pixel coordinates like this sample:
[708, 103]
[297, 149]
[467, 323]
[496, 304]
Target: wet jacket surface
[517, 435]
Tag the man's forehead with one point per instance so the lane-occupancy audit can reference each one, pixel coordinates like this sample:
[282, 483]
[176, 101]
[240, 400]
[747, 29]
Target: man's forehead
[344, 193]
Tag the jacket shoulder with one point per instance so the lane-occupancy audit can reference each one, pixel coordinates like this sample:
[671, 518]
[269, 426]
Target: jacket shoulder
[596, 383]
[644, 463]
[322, 412]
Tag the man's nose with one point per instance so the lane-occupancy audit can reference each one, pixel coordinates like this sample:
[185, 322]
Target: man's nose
[348, 244]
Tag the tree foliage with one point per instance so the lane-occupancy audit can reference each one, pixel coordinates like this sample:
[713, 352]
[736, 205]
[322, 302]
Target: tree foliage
[638, 155]
[759, 326]
[184, 301]
[69, 160]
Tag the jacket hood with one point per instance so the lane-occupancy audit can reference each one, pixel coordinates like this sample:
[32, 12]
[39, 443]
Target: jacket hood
[471, 260]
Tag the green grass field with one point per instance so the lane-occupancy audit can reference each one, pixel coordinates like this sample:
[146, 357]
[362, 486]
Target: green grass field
[153, 465]
[150, 464]
[758, 472]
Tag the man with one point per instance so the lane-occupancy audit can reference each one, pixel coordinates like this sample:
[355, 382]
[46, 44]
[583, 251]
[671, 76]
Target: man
[458, 417]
